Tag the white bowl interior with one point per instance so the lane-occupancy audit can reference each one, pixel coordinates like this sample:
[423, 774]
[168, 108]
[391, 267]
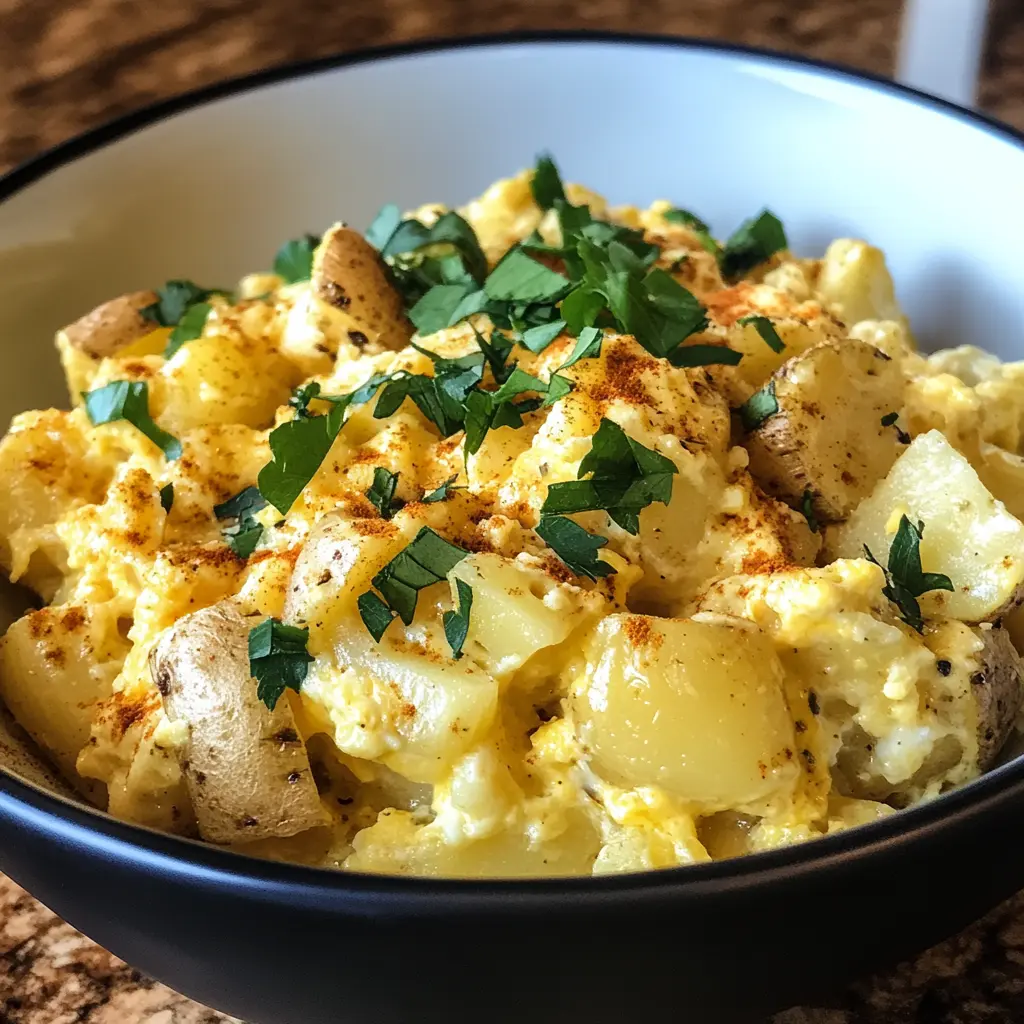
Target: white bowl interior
[210, 193]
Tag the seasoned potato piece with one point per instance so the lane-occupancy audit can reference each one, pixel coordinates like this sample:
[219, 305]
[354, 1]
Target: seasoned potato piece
[827, 436]
[544, 609]
[987, 670]
[112, 325]
[854, 283]
[695, 707]
[968, 536]
[348, 274]
[246, 766]
[56, 665]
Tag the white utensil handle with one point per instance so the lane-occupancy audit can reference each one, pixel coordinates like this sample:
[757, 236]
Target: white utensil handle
[941, 46]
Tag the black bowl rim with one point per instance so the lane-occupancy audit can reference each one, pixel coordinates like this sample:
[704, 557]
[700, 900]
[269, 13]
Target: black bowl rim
[89, 830]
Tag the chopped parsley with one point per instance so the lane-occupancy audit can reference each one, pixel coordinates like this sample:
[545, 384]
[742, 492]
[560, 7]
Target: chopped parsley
[375, 613]
[242, 532]
[751, 244]
[905, 581]
[129, 400]
[442, 493]
[278, 659]
[486, 410]
[807, 507]
[382, 492]
[766, 329]
[294, 260]
[456, 622]
[574, 546]
[759, 406]
[536, 339]
[426, 561]
[167, 497]
[189, 327]
[704, 355]
[588, 346]
[697, 226]
[520, 278]
[623, 478]
[173, 299]
[546, 183]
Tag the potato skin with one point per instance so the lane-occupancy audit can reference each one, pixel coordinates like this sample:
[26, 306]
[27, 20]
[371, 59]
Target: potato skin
[348, 273]
[827, 438]
[997, 693]
[112, 325]
[247, 769]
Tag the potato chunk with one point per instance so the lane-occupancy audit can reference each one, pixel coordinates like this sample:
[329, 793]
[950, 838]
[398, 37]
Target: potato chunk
[348, 274]
[826, 438]
[246, 766]
[968, 535]
[694, 706]
[855, 284]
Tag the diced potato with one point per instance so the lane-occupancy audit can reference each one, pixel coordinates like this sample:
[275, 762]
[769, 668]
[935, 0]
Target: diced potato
[855, 284]
[348, 273]
[827, 440]
[968, 535]
[519, 609]
[56, 665]
[694, 707]
[246, 766]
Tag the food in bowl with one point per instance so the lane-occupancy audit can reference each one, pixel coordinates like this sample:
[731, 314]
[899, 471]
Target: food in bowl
[537, 538]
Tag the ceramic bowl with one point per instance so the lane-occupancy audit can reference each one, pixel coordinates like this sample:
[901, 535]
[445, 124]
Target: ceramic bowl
[207, 186]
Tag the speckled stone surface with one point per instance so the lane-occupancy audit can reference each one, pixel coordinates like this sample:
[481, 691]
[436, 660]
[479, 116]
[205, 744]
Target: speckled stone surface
[65, 67]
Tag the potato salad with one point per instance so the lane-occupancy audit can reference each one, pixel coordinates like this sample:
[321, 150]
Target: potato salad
[537, 537]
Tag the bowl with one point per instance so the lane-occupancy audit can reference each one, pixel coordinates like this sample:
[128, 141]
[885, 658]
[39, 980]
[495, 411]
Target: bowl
[206, 186]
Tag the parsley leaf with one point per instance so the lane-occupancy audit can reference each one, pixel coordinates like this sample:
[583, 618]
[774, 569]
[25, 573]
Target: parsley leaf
[753, 242]
[278, 659]
[426, 561]
[189, 327]
[173, 299]
[536, 339]
[382, 492]
[243, 532]
[297, 449]
[905, 580]
[766, 329]
[442, 493]
[625, 478]
[496, 350]
[759, 406]
[546, 184]
[437, 309]
[704, 355]
[807, 507]
[588, 346]
[376, 615]
[456, 622]
[384, 225]
[294, 260]
[520, 278]
[167, 497]
[129, 400]
[574, 546]
[301, 397]
[485, 410]
[697, 226]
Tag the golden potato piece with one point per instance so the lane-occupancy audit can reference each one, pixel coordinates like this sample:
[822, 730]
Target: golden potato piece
[826, 438]
[969, 535]
[112, 325]
[348, 273]
[997, 693]
[247, 769]
[696, 707]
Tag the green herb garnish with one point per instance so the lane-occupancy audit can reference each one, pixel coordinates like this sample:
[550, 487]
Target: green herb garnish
[904, 579]
[697, 226]
[759, 406]
[129, 400]
[807, 507]
[520, 278]
[278, 659]
[167, 497]
[574, 546]
[382, 492]
[426, 561]
[442, 493]
[173, 299]
[704, 355]
[588, 346]
[624, 478]
[242, 532]
[189, 327]
[456, 622]
[294, 260]
[751, 244]
[376, 615]
[766, 329]
[546, 183]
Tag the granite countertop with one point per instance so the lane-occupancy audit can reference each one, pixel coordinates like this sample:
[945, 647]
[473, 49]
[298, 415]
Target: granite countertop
[64, 68]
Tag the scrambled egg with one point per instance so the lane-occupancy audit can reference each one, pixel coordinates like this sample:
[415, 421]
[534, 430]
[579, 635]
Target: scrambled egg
[740, 661]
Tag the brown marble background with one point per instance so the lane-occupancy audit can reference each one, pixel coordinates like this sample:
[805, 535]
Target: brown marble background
[65, 67]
